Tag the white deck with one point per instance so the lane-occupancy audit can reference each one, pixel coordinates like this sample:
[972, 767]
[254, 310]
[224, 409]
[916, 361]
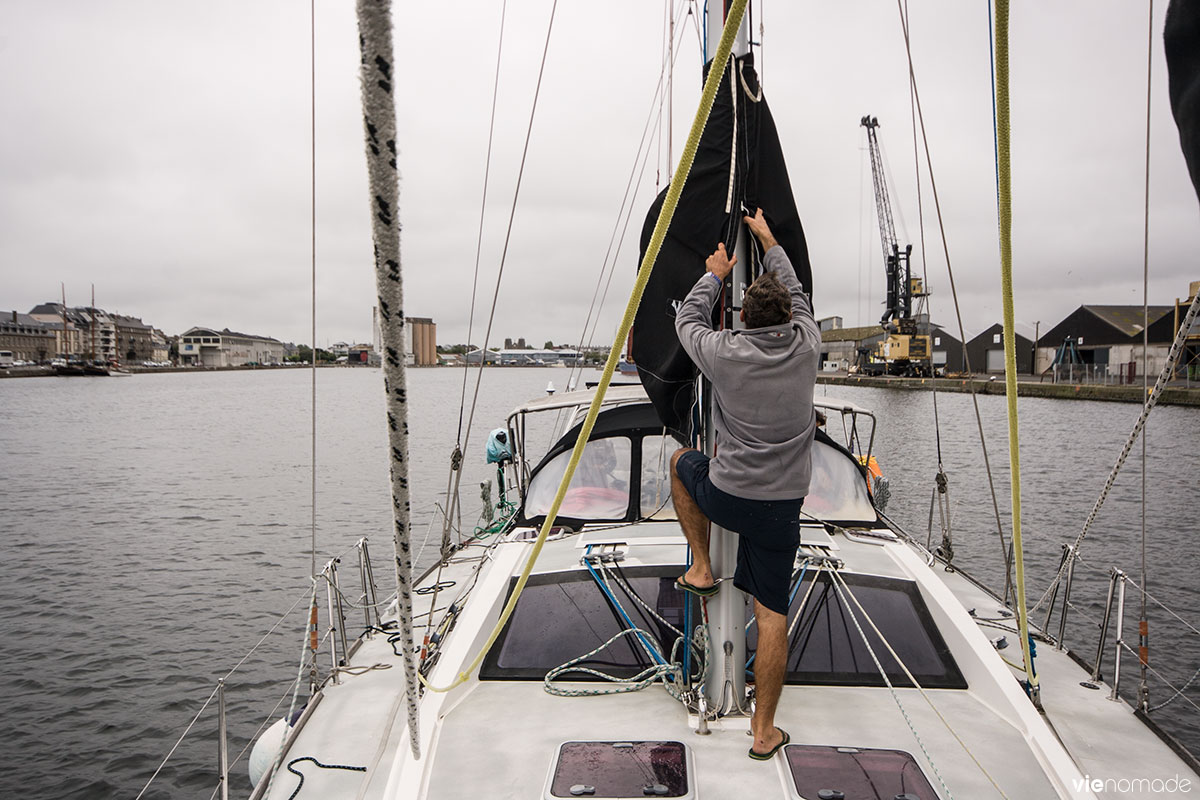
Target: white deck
[498, 738]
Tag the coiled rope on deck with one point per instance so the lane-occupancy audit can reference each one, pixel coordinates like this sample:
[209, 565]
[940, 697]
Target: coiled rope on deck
[716, 72]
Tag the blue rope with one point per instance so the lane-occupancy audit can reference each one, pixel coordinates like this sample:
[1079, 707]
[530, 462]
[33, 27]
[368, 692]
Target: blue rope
[654, 654]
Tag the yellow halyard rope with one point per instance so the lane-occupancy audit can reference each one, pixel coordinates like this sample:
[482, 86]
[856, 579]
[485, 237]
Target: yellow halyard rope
[1004, 180]
[715, 73]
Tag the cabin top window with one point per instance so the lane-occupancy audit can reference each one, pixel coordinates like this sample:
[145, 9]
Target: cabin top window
[562, 616]
[624, 475]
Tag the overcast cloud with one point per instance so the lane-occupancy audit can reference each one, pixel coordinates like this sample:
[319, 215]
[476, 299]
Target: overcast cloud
[162, 152]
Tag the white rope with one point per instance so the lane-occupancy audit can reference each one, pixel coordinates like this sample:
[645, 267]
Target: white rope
[839, 580]
[733, 93]
[883, 673]
[1164, 376]
[754, 98]
[634, 684]
[379, 122]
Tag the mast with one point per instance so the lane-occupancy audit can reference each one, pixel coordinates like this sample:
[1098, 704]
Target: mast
[92, 316]
[670, 83]
[66, 342]
[725, 689]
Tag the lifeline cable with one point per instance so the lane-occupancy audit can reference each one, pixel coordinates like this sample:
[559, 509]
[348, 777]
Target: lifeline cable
[716, 72]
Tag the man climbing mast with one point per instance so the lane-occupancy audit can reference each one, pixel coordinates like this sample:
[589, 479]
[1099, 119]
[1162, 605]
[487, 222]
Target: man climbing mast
[762, 380]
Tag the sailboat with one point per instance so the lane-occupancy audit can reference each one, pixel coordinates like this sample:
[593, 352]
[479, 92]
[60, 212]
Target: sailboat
[559, 659]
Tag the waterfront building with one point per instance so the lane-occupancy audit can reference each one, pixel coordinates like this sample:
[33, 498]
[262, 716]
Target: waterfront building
[26, 337]
[160, 346]
[1106, 342]
[1189, 364]
[99, 334]
[487, 356]
[68, 336]
[71, 338]
[362, 354]
[420, 339]
[986, 350]
[134, 340]
[840, 347]
[528, 358]
[207, 347]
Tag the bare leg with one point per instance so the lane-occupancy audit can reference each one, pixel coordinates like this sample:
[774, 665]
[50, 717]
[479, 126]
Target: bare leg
[695, 528]
[770, 664]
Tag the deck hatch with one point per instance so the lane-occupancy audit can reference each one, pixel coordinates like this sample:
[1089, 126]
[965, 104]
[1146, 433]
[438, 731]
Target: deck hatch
[620, 770]
[854, 772]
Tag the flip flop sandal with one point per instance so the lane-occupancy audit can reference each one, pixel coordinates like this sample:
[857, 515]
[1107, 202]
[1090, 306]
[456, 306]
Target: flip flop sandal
[767, 756]
[706, 591]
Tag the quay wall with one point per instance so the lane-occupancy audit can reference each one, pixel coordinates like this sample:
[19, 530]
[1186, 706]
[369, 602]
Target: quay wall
[1179, 395]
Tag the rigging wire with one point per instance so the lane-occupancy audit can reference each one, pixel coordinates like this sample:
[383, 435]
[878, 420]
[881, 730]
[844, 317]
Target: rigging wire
[724, 49]
[1143, 623]
[511, 217]
[941, 480]
[487, 171]
[624, 214]
[454, 478]
[313, 228]
[949, 268]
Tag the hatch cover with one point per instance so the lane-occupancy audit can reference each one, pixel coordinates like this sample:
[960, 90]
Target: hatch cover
[620, 770]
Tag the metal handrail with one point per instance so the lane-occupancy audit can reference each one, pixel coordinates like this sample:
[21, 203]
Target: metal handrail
[337, 625]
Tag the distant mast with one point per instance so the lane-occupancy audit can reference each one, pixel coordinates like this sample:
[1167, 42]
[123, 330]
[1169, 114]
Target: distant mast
[66, 342]
[92, 316]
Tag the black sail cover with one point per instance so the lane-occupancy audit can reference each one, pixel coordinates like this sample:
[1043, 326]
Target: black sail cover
[728, 179]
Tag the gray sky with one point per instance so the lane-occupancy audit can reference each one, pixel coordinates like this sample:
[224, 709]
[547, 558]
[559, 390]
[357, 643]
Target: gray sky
[162, 152]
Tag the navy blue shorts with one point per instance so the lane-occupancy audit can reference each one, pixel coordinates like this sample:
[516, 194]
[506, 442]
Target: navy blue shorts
[768, 532]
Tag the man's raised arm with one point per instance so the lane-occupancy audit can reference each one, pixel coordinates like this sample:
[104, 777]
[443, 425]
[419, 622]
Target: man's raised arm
[693, 322]
[776, 260]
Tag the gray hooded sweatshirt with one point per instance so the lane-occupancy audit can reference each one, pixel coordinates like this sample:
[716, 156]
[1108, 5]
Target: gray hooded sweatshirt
[763, 381]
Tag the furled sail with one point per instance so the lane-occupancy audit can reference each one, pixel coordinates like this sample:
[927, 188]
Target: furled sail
[739, 167]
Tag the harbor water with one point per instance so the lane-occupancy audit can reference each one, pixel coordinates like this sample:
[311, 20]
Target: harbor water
[152, 530]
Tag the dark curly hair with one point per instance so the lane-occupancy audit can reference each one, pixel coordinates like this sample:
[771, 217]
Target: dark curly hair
[767, 302]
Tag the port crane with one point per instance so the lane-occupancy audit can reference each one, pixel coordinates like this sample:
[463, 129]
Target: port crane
[905, 351]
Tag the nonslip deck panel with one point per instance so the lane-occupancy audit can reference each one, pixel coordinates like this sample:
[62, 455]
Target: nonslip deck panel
[533, 724]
